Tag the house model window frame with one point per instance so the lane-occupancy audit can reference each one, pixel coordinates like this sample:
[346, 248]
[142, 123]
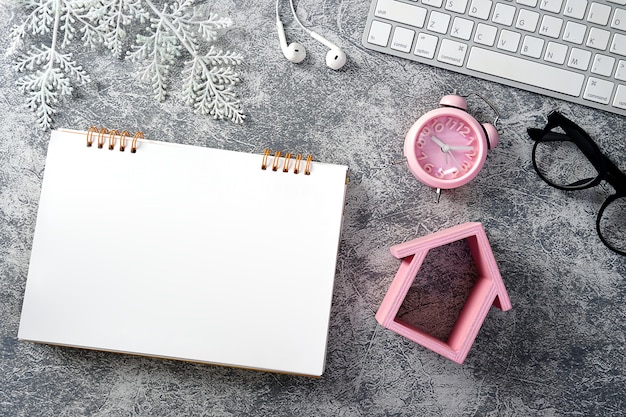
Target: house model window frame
[488, 290]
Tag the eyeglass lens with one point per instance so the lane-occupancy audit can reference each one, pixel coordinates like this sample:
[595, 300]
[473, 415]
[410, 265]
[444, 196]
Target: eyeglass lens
[563, 164]
[612, 224]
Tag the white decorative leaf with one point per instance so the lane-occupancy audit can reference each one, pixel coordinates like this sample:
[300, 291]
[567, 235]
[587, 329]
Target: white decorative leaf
[175, 30]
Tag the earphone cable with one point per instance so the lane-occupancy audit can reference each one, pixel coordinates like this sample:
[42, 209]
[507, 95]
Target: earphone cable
[295, 16]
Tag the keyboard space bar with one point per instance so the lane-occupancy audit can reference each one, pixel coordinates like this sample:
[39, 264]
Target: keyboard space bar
[527, 72]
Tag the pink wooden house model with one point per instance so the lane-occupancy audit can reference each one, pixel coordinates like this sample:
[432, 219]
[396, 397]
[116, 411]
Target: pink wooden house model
[488, 290]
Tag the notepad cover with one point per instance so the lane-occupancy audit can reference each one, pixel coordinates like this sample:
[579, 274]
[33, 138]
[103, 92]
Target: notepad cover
[186, 253]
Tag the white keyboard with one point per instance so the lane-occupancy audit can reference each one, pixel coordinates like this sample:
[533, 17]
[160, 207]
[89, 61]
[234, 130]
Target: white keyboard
[574, 50]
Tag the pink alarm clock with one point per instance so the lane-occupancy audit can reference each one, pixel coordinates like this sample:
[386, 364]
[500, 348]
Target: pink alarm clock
[447, 147]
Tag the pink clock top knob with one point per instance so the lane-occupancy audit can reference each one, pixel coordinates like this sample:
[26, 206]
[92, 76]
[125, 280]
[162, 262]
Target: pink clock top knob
[453, 100]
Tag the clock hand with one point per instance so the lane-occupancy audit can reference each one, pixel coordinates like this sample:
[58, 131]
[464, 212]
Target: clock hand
[452, 170]
[444, 147]
[447, 149]
[461, 148]
[454, 158]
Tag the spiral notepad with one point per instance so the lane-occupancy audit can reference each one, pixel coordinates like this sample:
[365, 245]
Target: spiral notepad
[184, 252]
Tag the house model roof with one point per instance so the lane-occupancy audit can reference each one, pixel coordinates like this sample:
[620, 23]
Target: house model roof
[488, 290]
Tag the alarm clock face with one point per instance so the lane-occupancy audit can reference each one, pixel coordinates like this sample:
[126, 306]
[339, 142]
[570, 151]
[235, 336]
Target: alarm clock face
[445, 148]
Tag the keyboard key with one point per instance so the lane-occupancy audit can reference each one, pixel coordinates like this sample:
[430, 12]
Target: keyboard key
[434, 3]
[603, 65]
[532, 46]
[551, 26]
[598, 90]
[553, 6]
[402, 39]
[457, 6]
[462, 28]
[438, 22]
[401, 12]
[508, 41]
[555, 53]
[620, 73]
[618, 46]
[599, 14]
[531, 3]
[527, 20]
[579, 59]
[525, 71]
[620, 97]
[485, 34]
[480, 9]
[503, 14]
[619, 19]
[574, 33]
[426, 45]
[379, 33]
[575, 8]
[598, 38]
[452, 52]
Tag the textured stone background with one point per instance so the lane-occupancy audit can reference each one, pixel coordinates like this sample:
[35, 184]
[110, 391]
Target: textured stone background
[560, 351]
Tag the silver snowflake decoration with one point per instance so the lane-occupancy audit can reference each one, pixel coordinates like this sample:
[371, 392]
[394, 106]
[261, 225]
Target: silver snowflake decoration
[177, 30]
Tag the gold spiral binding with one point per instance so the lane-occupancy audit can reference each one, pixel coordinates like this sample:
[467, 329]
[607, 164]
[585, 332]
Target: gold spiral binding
[267, 154]
[133, 145]
[286, 164]
[123, 136]
[112, 139]
[90, 132]
[276, 161]
[101, 134]
[296, 168]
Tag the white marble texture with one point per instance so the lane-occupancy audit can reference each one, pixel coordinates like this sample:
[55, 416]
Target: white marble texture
[559, 351]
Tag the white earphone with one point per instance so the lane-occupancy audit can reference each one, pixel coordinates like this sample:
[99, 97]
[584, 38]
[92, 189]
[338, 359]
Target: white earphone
[295, 52]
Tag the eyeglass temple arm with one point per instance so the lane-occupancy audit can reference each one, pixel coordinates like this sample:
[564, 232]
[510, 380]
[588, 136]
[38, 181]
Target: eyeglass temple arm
[615, 177]
[534, 133]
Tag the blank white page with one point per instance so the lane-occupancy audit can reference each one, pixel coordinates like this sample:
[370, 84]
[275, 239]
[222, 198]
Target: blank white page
[184, 252]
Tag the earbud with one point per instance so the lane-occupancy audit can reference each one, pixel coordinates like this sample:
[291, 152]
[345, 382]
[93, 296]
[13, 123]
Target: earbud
[335, 58]
[294, 52]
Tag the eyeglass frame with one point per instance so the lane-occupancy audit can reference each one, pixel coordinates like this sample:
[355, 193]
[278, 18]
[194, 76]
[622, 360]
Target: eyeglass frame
[607, 170]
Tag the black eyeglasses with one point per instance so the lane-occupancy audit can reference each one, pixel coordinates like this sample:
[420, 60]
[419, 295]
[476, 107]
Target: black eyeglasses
[566, 157]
